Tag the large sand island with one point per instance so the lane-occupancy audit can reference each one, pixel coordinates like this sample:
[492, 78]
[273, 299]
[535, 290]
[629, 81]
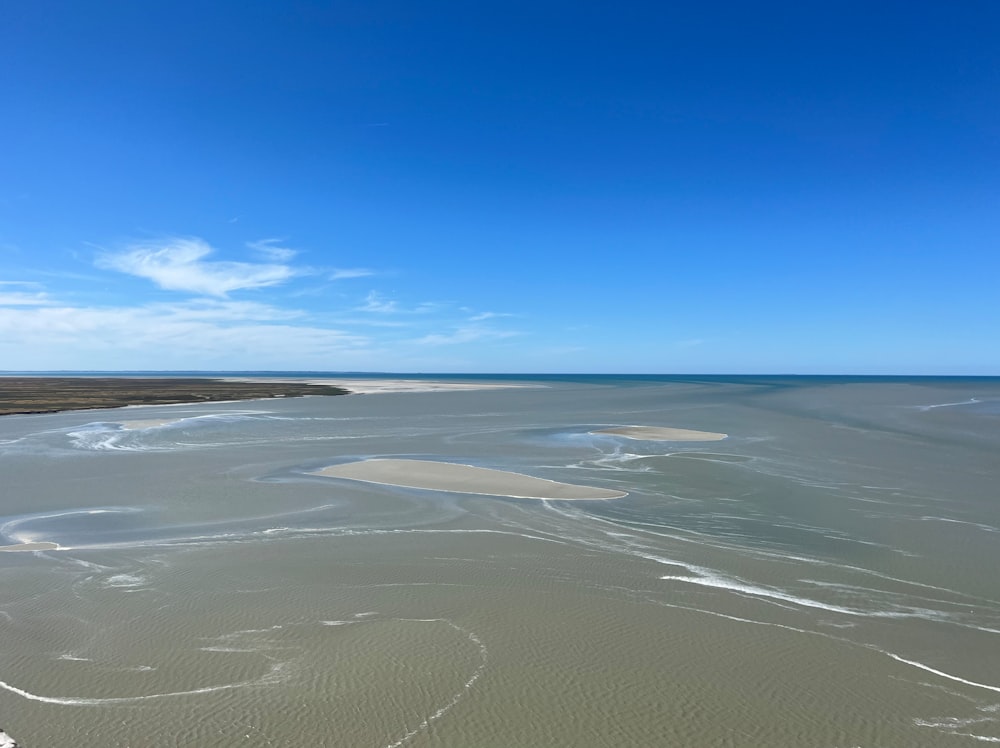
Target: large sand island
[449, 476]
[53, 394]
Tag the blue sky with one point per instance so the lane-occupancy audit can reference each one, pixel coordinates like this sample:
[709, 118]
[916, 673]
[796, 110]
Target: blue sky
[715, 187]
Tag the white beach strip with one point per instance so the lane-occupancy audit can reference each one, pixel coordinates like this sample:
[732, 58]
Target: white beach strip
[662, 434]
[376, 386]
[30, 547]
[449, 476]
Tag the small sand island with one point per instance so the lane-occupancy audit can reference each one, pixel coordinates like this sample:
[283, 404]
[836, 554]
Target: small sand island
[449, 476]
[662, 434]
[43, 546]
[148, 423]
[52, 394]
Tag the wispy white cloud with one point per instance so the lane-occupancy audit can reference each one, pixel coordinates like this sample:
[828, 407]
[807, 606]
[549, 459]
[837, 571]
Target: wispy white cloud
[179, 264]
[63, 274]
[375, 302]
[211, 310]
[344, 273]
[271, 249]
[466, 334]
[200, 334]
[23, 293]
[372, 321]
[208, 329]
[445, 323]
[20, 298]
[488, 315]
[429, 307]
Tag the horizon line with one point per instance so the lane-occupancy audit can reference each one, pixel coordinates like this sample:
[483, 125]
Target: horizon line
[341, 373]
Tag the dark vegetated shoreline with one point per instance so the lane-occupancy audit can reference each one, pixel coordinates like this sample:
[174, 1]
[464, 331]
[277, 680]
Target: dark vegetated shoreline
[27, 395]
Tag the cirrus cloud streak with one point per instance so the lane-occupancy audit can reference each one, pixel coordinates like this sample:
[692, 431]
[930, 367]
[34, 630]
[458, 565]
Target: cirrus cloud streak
[222, 335]
[180, 264]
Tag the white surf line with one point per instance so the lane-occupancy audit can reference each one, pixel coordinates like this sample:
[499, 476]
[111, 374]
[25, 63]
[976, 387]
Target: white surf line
[484, 657]
[769, 594]
[980, 525]
[856, 589]
[290, 533]
[7, 527]
[700, 538]
[637, 550]
[970, 401]
[903, 611]
[922, 666]
[266, 679]
[712, 579]
[910, 582]
[706, 539]
[842, 640]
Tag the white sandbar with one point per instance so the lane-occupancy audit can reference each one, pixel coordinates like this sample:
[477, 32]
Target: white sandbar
[377, 386]
[147, 423]
[30, 547]
[662, 434]
[450, 476]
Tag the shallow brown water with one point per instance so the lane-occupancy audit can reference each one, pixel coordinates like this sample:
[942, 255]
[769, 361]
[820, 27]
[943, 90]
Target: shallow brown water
[825, 576]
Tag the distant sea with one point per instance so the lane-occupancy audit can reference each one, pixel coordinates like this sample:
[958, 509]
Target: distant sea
[824, 576]
[622, 379]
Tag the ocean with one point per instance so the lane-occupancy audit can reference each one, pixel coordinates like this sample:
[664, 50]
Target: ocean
[828, 575]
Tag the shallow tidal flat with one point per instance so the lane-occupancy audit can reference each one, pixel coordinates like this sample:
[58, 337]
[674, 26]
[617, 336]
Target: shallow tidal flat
[823, 576]
[52, 394]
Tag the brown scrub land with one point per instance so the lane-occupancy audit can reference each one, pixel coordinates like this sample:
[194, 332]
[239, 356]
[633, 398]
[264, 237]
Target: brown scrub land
[52, 394]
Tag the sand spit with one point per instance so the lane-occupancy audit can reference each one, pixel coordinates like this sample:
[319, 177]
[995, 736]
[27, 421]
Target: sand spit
[378, 386]
[449, 476]
[29, 547]
[662, 434]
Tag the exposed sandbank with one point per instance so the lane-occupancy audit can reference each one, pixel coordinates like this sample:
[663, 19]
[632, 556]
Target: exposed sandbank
[30, 547]
[377, 386]
[662, 434]
[147, 423]
[449, 476]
